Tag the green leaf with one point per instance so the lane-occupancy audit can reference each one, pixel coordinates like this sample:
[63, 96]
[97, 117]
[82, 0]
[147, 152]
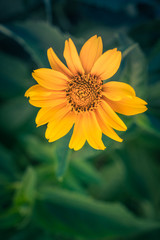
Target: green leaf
[15, 113]
[129, 49]
[63, 154]
[14, 80]
[36, 38]
[113, 176]
[25, 194]
[46, 174]
[7, 162]
[85, 171]
[135, 66]
[72, 182]
[38, 150]
[147, 123]
[10, 218]
[142, 170]
[71, 214]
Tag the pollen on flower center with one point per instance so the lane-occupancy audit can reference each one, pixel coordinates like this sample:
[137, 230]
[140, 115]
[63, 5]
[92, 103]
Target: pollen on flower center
[84, 92]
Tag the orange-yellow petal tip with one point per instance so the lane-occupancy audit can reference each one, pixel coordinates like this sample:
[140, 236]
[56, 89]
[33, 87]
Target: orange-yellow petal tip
[103, 148]
[33, 73]
[144, 102]
[26, 94]
[49, 50]
[145, 109]
[125, 127]
[119, 55]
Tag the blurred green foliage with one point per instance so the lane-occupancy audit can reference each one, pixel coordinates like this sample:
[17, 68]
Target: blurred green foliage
[46, 190]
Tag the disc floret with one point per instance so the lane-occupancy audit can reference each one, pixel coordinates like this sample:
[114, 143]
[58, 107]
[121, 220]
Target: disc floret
[84, 92]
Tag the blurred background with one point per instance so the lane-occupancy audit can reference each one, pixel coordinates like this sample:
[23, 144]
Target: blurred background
[48, 192]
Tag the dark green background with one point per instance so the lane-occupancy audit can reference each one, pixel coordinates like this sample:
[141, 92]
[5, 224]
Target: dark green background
[48, 192]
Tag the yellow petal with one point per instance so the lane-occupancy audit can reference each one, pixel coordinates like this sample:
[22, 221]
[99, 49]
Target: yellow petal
[37, 90]
[128, 106]
[60, 127]
[92, 130]
[55, 118]
[111, 117]
[50, 79]
[42, 116]
[56, 63]
[90, 52]
[46, 95]
[78, 138]
[47, 114]
[42, 97]
[106, 129]
[52, 96]
[107, 64]
[48, 102]
[72, 58]
[139, 101]
[117, 90]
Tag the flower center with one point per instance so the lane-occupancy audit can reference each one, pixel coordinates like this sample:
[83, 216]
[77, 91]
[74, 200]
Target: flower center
[84, 92]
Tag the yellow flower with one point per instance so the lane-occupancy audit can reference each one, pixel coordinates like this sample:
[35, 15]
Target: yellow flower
[77, 96]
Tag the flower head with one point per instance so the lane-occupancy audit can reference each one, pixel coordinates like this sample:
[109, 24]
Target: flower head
[77, 95]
